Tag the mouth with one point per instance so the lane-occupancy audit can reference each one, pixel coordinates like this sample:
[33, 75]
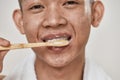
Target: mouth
[57, 37]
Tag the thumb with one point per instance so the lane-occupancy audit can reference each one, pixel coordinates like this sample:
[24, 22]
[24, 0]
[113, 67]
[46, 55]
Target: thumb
[2, 55]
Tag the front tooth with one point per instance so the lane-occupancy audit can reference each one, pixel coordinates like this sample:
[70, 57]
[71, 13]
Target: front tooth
[57, 39]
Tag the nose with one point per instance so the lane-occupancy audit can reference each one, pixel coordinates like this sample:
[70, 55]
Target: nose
[54, 19]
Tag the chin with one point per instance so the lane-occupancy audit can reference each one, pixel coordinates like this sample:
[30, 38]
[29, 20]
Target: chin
[59, 62]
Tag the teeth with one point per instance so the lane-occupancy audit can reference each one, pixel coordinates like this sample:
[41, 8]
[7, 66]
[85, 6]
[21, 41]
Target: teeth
[57, 39]
[58, 42]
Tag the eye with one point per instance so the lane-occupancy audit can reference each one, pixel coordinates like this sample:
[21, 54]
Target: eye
[70, 3]
[37, 7]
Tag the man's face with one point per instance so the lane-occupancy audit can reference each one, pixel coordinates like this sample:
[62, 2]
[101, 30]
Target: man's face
[45, 20]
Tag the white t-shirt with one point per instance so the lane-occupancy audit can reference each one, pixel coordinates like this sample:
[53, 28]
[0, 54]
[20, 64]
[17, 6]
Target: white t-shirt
[26, 71]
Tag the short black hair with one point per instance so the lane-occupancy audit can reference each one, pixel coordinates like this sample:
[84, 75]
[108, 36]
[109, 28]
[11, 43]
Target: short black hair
[20, 1]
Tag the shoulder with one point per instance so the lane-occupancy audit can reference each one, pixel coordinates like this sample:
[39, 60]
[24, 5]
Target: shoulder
[23, 71]
[94, 72]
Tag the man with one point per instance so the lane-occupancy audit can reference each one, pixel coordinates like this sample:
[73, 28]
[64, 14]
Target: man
[46, 20]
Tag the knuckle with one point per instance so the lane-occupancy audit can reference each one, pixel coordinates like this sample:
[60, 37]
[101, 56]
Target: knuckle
[4, 42]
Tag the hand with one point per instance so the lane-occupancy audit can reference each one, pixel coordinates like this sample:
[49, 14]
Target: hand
[5, 43]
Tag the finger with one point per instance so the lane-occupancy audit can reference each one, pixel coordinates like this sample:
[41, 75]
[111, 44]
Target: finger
[1, 65]
[4, 42]
[2, 55]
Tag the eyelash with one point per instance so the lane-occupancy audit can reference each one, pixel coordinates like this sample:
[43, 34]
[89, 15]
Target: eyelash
[39, 7]
[71, 3]
[36, 7]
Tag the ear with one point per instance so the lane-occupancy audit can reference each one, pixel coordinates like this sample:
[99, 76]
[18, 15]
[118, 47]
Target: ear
[17, 17]
[97, 13]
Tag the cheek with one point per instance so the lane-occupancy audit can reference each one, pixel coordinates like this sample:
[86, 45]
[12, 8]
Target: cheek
[83, 33]
[80, 24]
[31, 27]
[81, 27]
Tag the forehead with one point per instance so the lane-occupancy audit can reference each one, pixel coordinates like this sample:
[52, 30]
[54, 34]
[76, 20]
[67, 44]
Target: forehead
[45, 0]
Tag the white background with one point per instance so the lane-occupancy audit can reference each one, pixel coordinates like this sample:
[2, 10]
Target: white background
[103, 46]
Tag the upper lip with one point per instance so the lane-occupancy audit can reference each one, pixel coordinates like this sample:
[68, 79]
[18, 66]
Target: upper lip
[55, 36]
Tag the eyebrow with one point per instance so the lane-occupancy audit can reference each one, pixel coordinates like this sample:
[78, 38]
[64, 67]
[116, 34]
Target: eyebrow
[27, 0]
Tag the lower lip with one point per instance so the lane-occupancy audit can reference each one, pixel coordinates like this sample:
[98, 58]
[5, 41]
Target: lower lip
[58, 49]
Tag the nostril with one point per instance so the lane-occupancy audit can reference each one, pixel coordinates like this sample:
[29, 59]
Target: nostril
[47, 26]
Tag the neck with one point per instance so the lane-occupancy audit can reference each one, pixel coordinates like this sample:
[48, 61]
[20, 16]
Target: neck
[73, 71]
